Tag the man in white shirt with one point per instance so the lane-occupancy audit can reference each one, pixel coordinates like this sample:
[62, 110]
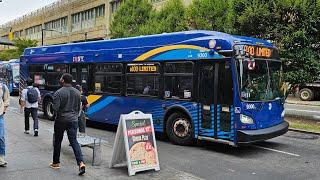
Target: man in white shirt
[29, 102]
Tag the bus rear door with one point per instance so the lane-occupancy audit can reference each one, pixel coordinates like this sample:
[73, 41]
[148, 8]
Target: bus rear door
[216, 102]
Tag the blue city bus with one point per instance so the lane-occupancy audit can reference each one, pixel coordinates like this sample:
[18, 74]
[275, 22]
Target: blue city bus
[202, 85]
[9, 74]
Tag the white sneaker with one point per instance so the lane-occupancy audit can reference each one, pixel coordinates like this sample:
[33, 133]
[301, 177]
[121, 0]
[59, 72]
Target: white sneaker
[3, 162]
[26, 132]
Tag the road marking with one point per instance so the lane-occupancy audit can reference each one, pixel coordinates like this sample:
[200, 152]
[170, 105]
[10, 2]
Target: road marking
[301, 110]
[274, 150]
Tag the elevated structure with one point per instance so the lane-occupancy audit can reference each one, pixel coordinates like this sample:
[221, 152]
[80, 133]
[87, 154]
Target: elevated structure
[67, 21]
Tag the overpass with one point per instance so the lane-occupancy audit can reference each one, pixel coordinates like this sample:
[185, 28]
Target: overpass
[5, 41]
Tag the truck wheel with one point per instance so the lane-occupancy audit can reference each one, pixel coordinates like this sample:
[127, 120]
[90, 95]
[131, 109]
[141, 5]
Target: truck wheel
[306, 94]
[48, 109]
[179, 129]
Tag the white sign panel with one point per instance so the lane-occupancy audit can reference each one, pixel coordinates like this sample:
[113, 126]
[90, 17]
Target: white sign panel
[135, 143]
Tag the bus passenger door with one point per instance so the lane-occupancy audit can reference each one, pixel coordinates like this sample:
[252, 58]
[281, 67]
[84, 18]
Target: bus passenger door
[80, 73]
[215, 100]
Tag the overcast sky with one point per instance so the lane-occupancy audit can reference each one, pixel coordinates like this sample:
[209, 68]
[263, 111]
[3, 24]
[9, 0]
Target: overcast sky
[11, 9]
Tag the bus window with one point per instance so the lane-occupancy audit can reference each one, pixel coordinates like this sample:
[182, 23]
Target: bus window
[225, 89]
[206, 89]
[54, 73]
[143, 79]
[178, 80]
[38, 75]
[108, 78]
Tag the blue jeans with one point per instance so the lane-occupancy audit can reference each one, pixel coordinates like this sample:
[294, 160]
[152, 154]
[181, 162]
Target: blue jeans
[2, 141]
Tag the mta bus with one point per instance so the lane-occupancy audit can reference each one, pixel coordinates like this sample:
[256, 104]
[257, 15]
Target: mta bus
[9, 74]
[203, 85]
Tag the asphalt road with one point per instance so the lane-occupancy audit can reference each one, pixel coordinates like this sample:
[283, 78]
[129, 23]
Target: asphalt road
[291, 156]
[303, 110]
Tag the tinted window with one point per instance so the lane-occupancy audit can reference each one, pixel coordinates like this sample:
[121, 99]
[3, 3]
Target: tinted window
[108, 78]
[225, 91]
[178, 80]
[143, 85]
[185, 67]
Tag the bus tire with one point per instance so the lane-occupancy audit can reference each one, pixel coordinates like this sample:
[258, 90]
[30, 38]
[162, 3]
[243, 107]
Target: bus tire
[48, 109]
[179, 129]
[306, 94]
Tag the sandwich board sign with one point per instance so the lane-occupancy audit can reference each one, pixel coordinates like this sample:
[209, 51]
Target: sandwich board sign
[135, 143]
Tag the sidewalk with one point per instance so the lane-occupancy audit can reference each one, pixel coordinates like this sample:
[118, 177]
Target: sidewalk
[294, 100]
[29, 157]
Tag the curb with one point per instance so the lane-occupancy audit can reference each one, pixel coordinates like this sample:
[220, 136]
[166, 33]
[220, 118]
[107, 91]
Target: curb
[303, 104]
[307, 117]
[303, 131]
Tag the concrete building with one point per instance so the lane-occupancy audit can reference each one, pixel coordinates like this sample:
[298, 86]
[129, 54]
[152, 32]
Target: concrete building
[67, 21]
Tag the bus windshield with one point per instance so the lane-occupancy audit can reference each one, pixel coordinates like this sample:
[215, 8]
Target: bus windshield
[259, 79]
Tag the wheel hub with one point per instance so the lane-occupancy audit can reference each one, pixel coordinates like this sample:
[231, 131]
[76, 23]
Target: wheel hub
[305, 95]
[181, 128]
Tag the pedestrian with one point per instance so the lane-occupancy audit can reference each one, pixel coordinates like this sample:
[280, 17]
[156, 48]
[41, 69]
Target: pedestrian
[30, 98]
[66, 104]
[82, 117]
[4, 103]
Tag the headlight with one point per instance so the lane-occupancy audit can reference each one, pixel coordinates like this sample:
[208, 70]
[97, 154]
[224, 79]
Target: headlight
[283, 113]
[246, 119]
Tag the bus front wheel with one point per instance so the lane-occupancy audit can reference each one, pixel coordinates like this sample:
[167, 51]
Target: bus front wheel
[179, 129]
[48, 110]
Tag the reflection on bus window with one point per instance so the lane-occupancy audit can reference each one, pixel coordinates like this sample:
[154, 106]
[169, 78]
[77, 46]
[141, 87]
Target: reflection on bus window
[145, 85]
[178, 80]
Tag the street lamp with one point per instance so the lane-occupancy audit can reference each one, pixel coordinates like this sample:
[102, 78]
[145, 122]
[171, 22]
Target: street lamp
[42, 34]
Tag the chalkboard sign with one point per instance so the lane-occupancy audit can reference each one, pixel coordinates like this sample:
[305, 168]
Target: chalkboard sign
[135, 143]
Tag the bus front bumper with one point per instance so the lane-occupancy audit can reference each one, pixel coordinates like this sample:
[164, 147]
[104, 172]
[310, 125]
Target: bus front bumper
[250, 136]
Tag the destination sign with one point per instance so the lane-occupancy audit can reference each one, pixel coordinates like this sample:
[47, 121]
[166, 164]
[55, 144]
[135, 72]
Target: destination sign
[257, 51]
[142, 68]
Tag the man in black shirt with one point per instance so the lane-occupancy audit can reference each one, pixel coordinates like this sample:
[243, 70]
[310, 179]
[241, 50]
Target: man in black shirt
[66, 103]
[82, 117]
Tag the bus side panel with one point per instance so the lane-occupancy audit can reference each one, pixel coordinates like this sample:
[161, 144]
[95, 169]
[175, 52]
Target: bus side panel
[107, 109]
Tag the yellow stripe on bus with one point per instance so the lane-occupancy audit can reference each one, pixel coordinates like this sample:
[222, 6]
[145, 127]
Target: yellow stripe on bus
[167, 48]
[93, 98]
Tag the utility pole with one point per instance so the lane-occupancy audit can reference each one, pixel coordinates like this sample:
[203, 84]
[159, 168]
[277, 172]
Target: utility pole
[42, 34]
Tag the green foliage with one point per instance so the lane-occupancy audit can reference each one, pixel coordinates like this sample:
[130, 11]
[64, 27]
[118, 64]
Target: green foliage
[20, 44]
[130, 17]
[214, 15]
[8, 54]
[292, 25]
[171, 18]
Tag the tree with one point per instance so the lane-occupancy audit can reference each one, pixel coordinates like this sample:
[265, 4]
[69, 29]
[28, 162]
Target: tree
[171, 17]
[6, 55]
[129, 19]
[252, 18]
[292, 25]
[211, 15]
[20, 45]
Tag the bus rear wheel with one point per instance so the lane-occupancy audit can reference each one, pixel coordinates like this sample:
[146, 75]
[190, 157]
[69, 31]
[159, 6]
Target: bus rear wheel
[179, 129]
[48, 110]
